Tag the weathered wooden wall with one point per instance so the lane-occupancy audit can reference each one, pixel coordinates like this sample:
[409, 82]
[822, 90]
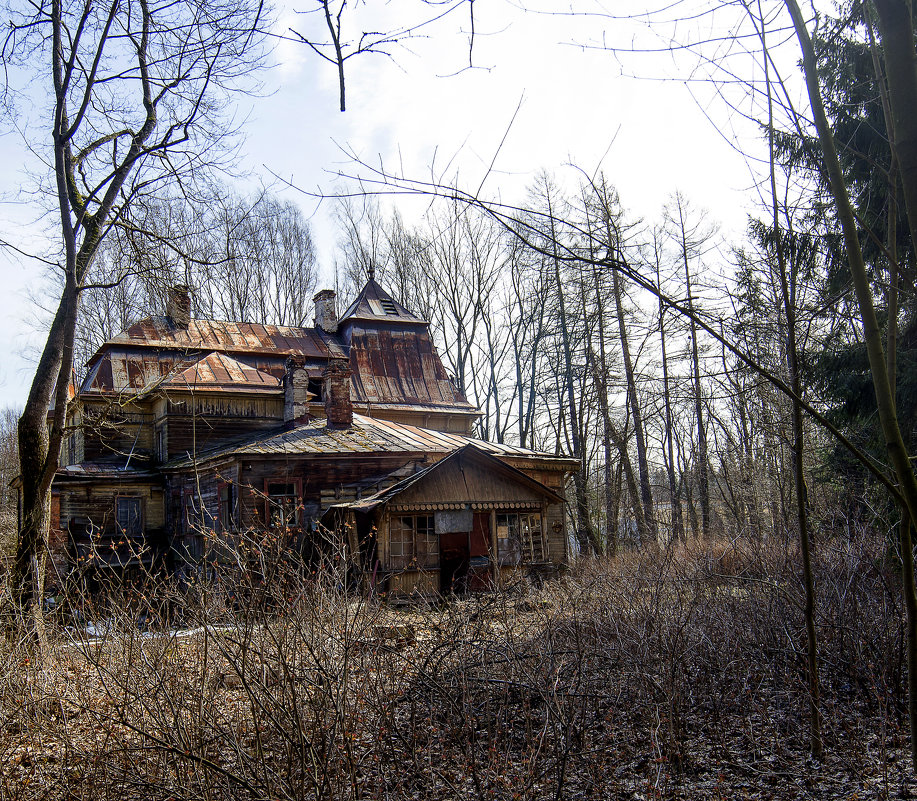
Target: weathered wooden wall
[94, 503]
[112, 431]
[192, 423]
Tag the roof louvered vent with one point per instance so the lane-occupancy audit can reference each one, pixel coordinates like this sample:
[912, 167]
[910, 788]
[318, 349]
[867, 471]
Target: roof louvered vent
[388, 306]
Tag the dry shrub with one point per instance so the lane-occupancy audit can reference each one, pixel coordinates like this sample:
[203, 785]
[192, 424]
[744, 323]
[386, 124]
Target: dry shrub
[661, 674]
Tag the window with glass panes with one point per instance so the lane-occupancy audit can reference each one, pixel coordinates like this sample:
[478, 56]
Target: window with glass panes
[413, 541]
[127, 512]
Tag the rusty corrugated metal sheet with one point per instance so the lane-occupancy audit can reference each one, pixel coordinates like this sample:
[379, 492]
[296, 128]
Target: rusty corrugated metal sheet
[367, 436]
[218, 371]
[230, 337]
[392, 366]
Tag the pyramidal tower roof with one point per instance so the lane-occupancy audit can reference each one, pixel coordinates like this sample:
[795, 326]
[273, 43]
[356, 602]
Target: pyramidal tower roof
[374, 303]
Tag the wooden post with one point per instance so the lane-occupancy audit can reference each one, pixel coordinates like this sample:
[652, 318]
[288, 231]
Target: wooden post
[494, 548]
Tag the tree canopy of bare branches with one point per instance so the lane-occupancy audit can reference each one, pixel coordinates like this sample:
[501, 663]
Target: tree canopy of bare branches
[137, 95]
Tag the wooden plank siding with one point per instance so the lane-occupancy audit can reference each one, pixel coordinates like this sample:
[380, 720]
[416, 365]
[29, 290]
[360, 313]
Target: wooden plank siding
[95, 502]
[191, 423]
[112, 431]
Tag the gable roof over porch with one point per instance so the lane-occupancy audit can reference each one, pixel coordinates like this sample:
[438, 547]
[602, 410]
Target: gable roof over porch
[469, 476]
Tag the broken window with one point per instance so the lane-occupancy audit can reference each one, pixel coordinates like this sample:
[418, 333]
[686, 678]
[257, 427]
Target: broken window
[282, 506]
[160, 445]
[520, 538]
[413, 541]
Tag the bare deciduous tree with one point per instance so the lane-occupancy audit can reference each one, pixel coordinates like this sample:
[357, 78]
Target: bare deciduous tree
[136, 92]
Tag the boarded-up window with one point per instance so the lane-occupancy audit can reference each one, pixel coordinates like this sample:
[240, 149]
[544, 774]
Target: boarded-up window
[413, 542]
[449, 522]
[127, 514]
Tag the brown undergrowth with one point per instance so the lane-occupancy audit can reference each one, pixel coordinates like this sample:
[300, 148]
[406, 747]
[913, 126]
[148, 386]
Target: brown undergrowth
[663, 674]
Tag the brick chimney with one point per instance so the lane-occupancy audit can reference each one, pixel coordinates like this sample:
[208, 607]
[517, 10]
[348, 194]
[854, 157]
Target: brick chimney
[338, 408]
[326, 313]
[296, 391]
[179, 305]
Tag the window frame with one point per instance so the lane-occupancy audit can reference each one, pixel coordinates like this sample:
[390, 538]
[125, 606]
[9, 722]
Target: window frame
[518, 546]
[125, 532]
[296, 495]
[227, 518]
[410, 555]
[159, 443]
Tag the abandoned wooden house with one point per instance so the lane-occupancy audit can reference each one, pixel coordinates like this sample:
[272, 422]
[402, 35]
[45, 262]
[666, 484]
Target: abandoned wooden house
[186, 433]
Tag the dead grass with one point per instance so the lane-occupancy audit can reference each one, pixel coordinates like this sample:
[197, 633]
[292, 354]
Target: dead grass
[658, 675]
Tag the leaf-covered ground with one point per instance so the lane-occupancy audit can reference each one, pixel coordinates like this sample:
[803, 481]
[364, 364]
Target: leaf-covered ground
[663, 676]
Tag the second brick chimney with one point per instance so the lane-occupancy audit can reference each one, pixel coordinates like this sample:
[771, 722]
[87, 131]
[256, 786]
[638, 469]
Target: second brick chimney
[179, 305]
[326, 313]
[295, 392]
[336, 391]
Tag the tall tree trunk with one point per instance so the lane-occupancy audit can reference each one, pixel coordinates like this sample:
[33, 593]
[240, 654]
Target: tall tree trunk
[585, 532]
[646, 494]
[620, 440]
[39, 448]
[789, 293]
[703, 470]
[901, 58]
[678, 523]
[611, 543]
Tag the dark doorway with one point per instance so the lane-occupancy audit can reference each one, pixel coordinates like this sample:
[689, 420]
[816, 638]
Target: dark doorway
[464, 557]
[479, 573]
[453, 562]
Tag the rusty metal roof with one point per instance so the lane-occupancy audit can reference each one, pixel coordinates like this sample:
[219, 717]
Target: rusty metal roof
[366, 436]
[127, 369]
[137, 370]
[393, 361]
[230, 337]
[218, 371]
[400, 367]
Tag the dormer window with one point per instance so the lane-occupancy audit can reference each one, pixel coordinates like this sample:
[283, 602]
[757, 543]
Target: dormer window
[384, 307]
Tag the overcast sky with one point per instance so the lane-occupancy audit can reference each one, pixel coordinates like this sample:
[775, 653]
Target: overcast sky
[422, 110]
